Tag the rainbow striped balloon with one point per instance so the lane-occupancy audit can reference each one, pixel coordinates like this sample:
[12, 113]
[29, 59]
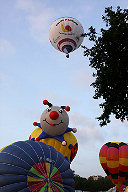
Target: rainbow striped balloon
[114, 160]
[29, 166]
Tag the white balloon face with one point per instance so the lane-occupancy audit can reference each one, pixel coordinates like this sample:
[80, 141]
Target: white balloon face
[54, 121]
[65, 34]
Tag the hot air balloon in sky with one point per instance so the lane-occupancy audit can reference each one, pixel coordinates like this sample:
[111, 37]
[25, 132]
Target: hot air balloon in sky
[53, 130]
[29, 166]
[114, 160]
[65, 34]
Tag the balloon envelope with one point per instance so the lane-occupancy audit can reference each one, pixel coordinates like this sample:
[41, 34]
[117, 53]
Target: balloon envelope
[65, 150]
[114, 160]
[122, 188]
[65, 34]
[34, 166]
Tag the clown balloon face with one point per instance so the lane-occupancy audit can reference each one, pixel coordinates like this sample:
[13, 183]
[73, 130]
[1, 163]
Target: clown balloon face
[54, 120]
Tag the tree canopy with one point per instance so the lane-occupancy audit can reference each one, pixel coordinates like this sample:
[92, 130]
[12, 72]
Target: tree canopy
[109, 57]
[101, 184]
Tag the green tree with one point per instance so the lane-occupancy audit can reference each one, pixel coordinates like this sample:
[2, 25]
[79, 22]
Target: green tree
[80, 183]
[109, 57]
[83, 184]
[91, 185]
[105, 184]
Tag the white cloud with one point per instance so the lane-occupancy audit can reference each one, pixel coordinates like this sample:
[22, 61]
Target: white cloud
[81, 79]
[88, 132]
[38, 17]
[39, 26]
[6, 47]
[59, 100]
[117, 130]
[27, 5]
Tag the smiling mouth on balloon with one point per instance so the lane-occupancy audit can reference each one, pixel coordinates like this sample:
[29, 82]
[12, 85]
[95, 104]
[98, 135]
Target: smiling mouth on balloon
[53, 124]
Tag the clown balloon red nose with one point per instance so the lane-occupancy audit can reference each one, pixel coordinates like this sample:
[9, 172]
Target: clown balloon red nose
[53, 115]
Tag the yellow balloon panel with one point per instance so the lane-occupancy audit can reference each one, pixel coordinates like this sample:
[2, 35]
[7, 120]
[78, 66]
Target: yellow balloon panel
[69, 138]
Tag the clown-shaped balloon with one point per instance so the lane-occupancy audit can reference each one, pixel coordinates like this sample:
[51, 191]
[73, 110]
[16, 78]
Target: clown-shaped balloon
[66, 34]
[54, 123]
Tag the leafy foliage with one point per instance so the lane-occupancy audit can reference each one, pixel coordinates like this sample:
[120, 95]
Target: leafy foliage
[109, 57]
[101, 184]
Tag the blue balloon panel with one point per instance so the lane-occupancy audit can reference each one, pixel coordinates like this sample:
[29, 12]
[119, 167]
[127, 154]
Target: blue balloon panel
[34, 166]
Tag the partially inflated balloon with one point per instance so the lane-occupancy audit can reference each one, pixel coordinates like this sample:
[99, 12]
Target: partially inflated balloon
[34, 166]
[69, 151]
[65, 34]
[114, 160]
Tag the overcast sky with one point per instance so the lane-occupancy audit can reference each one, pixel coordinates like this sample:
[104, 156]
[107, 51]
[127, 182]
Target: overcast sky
[31, 70]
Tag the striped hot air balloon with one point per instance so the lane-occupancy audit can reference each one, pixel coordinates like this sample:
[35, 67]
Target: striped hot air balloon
[114, 160]
[29, 166]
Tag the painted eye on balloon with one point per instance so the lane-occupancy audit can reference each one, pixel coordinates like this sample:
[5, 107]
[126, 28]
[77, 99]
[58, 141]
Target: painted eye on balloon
[60, 110]
[49, 109]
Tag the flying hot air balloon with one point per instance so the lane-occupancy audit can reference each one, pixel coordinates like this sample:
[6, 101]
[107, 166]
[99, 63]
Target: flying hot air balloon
[65, 34]
[53, 130]
[114, 160]
[29, 166]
